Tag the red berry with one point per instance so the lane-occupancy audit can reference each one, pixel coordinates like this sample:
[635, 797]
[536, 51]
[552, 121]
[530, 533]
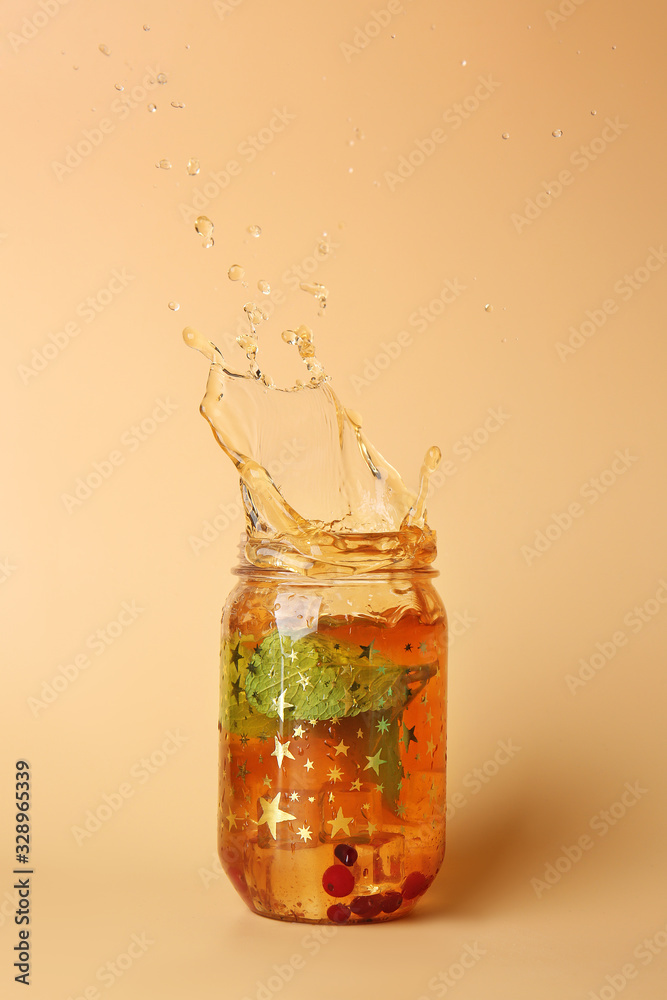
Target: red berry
[346, 854]
[415, 884]
[338, 913]
[338, 881]
[391, 901]
[367, 906]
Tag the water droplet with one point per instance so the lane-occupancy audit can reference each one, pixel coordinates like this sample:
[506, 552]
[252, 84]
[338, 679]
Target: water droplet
[319, 291]
[264, 287]
[147, 27]
[235, 273]
[164, 164]
[192, 167]
[288, 336]
[488, 307]
[254, 231]
[162, 78]
[177, 104]
[506, 135]
[75, 67]
[359, 134]
[204, 226]
[593, 112]
[174, 306]
[152, 107]
[464, 62]
[557, 133]
[208, 243]
[613, 48]
[104, 49]
[350, 170]
[119, 86]
[323, 248]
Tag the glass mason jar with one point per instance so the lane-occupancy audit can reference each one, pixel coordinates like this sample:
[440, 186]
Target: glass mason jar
[332, 732]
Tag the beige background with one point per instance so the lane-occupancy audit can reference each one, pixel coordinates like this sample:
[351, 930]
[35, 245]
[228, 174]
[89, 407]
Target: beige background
[525, 621]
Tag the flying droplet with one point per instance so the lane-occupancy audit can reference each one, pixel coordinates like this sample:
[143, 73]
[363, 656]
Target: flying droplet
[177, 104]
[613, 48]
[174, 306]
[162, 78]
[593, 112]
[208, 243]
[464, 62]
[557, 133]
[235, 273]
[488, 307]
[254, 231]
[164, 164]
[359, 134]
[147, 27]
[104, 49]
[288, 336]
[264, 287]
[192, 167]
[506, 135]
[152, 107]
[319, 291]
[323, 248]
[204, 226]
[119, 86]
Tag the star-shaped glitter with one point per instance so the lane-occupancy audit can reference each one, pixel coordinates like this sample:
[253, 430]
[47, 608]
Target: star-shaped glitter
[371, 828]
[409, 736]
[422, 646]
[273, 814]
[236, 689]
[375, 762]
[303, 681]
[432, 792]
[430, 747]
[311, 798]
[332, 797]
[309, 765]
[281, 704]
[236, 654]
[408, 647]
[243, 771]
[383, 725]
[298, 732]
[400, 809]
[339, 823]
[356, 786]
[429, 715]
[366, 651]
[304, 833]
[360, 733]
[244, 739]
[268, 781]
[366, 805]
[341, 748]
[281, 751]
[334, 774]
[379, 788]
[231, 818]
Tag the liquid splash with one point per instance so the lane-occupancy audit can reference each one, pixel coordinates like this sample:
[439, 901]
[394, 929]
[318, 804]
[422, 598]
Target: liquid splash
[330, 503]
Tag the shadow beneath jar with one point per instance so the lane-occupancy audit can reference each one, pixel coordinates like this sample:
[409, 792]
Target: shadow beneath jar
[481, 865]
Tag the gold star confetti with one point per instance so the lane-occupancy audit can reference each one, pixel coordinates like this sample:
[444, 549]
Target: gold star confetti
[309, 765]
[298, 732]
[304, 833]
[375, 762]
[380, 789]
[339, 823]
[341, 748]
[356, 786]
[273, 814]
[371, 828]
[334, 774]
[331, 797]
[360, 733]
[281, 705]
[231, 818]
[294, 797]
[268, 781]
[303, 681]
[430, 747]
[383, 725]
[311, 798]
[366, 805]
[281, 751]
